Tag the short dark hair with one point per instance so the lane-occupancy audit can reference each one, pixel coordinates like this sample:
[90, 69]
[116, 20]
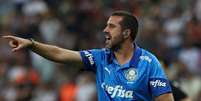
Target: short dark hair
[129, 22]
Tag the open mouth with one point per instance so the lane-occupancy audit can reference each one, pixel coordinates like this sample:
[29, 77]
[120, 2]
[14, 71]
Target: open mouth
[107, 38]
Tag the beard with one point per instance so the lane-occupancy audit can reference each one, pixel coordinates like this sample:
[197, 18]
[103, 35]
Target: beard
[114, 43]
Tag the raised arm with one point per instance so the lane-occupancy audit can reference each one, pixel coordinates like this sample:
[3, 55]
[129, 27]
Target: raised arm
[50, 52]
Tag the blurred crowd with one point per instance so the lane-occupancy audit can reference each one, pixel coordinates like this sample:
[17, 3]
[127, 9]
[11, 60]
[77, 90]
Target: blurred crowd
[171, 29]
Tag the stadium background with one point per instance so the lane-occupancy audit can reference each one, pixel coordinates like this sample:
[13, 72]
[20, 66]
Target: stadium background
[171, 29]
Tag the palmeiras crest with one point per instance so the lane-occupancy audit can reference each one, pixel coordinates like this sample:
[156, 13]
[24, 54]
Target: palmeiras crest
[131, 74]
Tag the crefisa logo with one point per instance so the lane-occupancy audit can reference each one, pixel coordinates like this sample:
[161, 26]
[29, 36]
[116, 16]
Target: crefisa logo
[89, 56]
[117, 91]
[157, 83]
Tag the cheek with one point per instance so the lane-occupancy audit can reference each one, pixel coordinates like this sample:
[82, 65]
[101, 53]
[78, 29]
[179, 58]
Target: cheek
[116, 35]
[117, 38]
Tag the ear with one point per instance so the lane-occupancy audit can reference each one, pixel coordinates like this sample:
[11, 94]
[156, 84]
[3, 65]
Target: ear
[126, 33]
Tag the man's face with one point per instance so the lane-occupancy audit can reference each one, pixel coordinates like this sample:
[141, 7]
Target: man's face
[113, 32]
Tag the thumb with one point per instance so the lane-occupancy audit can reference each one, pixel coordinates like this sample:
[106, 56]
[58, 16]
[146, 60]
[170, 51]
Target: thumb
[13, 44]
[17, 48]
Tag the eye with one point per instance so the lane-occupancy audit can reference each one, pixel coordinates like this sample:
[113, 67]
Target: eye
[111, 26]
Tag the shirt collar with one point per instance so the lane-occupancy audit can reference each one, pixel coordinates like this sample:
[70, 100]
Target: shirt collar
[134, 60]
[137, 53]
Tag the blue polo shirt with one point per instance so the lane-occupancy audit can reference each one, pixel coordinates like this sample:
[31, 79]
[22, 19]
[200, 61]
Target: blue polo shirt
[141, 79]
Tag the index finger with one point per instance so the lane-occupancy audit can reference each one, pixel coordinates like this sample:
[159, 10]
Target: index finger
[9, 37]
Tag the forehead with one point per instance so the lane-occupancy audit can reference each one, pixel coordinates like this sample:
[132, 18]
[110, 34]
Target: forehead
[114, 19]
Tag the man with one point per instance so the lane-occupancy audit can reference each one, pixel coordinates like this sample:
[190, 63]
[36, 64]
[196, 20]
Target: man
[123, 70]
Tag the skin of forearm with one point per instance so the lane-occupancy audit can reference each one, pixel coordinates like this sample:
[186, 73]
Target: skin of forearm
[165, 97]
[55, 53]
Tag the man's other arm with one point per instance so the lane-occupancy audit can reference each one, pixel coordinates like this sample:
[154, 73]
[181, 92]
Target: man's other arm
[165, 97]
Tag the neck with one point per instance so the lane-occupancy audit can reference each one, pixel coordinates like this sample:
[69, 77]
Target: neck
[125, 53]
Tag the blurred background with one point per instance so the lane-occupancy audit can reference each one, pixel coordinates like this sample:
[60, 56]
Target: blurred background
[171, 29]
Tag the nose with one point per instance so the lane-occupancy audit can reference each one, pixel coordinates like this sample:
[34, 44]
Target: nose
[106, 30]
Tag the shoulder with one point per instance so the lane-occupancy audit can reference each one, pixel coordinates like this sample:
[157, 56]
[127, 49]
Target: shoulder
[153, 64]
[148, 56]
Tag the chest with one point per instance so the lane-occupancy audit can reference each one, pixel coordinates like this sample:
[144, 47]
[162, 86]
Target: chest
[125, 78]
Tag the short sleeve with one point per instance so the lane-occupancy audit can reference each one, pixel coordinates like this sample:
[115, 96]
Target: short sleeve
[91, 58]
[158, 82]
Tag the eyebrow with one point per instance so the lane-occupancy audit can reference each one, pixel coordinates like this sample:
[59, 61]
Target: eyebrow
[110, 24]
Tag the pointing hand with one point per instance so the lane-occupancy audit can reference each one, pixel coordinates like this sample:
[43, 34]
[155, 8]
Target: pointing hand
[17, 43]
